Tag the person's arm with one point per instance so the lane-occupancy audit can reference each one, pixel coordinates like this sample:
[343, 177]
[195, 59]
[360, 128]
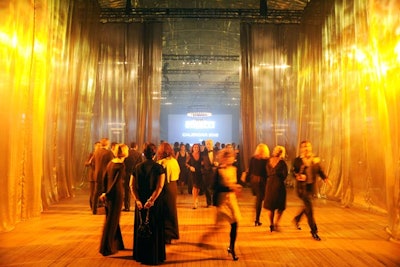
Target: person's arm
[88, 162]
[190, 167]
[298, 169]
[133, 189]
[320, 172]
[282, 171]
[156, 192]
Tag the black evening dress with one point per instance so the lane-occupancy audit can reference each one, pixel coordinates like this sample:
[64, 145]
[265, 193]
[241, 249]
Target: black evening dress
[196, 176]
[150, 251]
[183, 175]
[111, 240]
[275, 190]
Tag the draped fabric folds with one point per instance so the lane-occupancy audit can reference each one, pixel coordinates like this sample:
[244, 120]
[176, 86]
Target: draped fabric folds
[67, 81]
[127, 106]
[335, 84]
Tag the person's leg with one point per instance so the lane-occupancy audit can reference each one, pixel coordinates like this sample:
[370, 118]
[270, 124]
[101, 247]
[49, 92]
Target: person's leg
[208, 193]
[195, 194]
[91, 193]
[302, 194]
[259, 200]
[310, 217]
[271, 214]
[233, 235]
[127, 195]
[95, 198]
[278, 218]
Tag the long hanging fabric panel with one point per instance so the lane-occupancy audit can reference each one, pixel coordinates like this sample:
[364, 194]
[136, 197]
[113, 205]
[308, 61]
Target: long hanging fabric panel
[340, 91]
[267, 86]
[127, 98]
[32, 57]
[360, 74]
[65, 84]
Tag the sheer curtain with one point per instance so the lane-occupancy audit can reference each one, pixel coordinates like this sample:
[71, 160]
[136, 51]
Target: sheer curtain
[126, 106]
[268, 86]
[339, 90]
[68, 81]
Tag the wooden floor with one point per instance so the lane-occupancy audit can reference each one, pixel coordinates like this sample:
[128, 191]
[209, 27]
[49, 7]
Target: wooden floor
[69, 235]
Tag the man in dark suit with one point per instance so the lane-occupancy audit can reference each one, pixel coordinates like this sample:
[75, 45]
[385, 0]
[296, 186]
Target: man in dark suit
[208, 168]
[101, 158]
[306, 168]
[134, 158]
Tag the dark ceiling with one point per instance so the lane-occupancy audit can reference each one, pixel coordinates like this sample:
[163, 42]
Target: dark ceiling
[201, 42]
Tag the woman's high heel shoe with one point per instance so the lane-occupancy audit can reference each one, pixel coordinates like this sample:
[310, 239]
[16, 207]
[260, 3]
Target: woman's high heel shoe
[232, 252]
[257, 223]
[315, 236]
[272, 228]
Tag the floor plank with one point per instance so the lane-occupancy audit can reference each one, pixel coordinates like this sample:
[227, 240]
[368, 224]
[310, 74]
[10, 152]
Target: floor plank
[69, 235]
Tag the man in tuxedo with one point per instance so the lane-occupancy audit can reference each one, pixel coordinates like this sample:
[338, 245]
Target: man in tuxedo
[208, 168]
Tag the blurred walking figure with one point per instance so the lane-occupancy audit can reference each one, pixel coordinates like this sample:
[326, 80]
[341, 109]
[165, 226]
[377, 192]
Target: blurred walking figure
[225, 190]
[275, 191]
[258, 177]
[306, 168]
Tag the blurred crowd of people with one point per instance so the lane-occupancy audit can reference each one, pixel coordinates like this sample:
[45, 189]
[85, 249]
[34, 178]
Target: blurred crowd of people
[153, 177]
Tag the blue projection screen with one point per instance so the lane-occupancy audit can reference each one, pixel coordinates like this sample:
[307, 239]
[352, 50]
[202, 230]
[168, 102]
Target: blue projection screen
[182, 128]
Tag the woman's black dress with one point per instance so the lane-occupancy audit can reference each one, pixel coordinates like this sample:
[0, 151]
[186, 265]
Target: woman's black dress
[275, 190]
[197, 177]
[111, 240]
[183, 175]
[151, 250]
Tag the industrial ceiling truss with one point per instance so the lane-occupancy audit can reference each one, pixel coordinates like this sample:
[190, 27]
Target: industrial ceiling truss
[108, 15]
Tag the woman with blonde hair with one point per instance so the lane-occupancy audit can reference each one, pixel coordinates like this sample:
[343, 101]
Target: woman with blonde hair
[166, 158]
[275, 191]
[258, 176]
[224, 197]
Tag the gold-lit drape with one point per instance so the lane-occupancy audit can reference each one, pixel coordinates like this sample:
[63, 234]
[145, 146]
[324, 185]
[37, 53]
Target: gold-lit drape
[267, 86]
[127, 98]
[68, 80]
[337, 87]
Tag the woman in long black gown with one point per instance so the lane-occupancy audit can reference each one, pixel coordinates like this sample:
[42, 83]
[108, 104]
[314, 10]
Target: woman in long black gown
[111, 240]
[146, 187]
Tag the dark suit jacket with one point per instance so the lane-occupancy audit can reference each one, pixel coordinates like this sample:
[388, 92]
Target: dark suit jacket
[101, 158]
[133, 159]
[207, 167]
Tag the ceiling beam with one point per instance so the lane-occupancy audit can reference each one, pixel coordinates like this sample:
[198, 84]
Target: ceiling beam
[159, 14]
